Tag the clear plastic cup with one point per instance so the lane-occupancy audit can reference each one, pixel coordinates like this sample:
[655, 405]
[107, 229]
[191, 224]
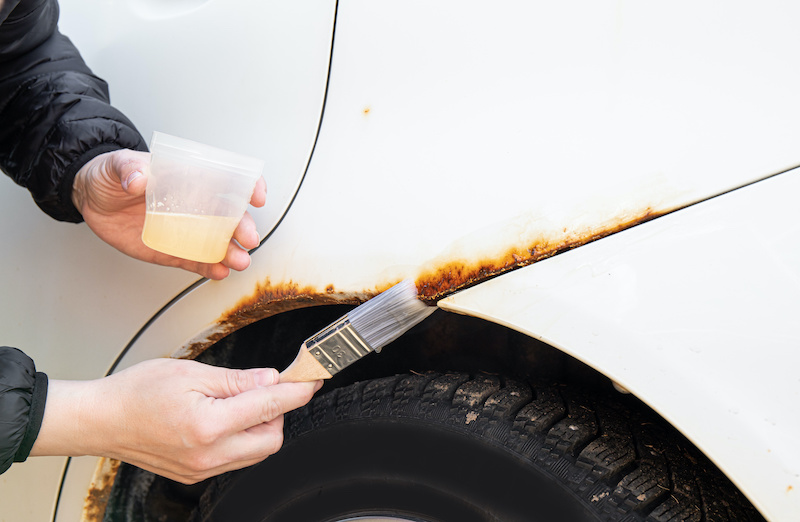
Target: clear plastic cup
[196, 195]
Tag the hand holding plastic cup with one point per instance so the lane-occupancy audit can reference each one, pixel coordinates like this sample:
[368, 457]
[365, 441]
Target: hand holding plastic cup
[196, 195]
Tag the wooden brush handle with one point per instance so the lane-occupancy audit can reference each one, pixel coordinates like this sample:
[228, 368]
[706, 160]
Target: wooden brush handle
[304, 368]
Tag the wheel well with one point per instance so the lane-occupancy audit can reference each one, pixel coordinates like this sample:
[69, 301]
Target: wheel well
[443, 342]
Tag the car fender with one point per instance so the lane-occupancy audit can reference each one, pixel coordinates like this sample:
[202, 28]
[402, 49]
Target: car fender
[696, 314]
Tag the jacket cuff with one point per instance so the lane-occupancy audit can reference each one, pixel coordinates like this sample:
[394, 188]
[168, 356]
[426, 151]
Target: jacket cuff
[38, 400]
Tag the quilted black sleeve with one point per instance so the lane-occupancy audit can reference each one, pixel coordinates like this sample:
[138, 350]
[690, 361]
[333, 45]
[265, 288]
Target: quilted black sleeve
[23, 392]
[55, 114]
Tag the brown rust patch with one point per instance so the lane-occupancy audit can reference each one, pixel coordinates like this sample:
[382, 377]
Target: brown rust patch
[270, 299]
[94, 506]
[442, 280]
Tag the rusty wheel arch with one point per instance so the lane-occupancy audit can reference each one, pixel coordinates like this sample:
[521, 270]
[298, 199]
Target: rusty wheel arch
[268, 327]
[443, 342]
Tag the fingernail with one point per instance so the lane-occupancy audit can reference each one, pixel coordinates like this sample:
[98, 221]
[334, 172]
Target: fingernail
[266, 378]
[127, 181]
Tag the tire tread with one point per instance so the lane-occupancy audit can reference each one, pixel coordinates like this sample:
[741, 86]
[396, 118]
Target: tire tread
[622, 463]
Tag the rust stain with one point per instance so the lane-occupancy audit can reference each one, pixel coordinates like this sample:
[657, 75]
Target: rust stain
[270, 299]
[444, 279]
[94, 505]
[433, 284]
[366, 111]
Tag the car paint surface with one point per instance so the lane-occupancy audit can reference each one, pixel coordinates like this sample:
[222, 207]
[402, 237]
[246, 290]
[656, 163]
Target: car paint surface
[414, 168]
[696, 314]
[453, 135]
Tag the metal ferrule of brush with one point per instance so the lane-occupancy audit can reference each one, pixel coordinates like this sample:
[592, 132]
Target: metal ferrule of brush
[337, 346]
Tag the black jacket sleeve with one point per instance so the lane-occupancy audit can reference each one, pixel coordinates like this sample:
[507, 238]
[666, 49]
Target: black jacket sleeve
[55, 114]
[23, 392]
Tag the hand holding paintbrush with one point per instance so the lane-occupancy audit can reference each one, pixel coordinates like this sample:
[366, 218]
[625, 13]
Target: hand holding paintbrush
[367, 328]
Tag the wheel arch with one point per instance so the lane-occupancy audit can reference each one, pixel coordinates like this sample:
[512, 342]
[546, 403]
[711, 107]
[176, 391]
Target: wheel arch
[452, 342]
[475, 345]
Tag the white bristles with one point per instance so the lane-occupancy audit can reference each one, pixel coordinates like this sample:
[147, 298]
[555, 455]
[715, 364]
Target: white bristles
[389, 315]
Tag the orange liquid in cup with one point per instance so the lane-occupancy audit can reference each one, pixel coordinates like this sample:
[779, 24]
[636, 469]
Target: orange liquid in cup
[189, 236]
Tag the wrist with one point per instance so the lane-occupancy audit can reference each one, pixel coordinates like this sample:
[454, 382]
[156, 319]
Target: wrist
[71, 425]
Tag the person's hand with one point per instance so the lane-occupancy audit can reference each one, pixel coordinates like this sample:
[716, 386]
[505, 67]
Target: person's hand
[109, 193]
[181, 419]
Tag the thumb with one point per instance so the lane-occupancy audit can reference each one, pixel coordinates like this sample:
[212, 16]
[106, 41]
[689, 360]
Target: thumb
[131, 168]
[130, 185]
[225, 382]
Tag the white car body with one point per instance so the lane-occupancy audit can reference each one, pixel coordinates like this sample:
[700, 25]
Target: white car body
[454, 142]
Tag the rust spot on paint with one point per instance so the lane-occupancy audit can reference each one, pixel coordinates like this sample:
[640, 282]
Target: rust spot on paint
[442, 280]
[94, 506]
[366, 111]
[270, 299]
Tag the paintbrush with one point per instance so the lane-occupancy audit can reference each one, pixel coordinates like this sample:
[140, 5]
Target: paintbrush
[367, 328]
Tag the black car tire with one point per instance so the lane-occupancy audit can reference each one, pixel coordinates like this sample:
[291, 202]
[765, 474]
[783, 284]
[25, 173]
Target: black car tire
[461, 448]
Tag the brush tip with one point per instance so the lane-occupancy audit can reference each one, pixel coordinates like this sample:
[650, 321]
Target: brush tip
[389, 315]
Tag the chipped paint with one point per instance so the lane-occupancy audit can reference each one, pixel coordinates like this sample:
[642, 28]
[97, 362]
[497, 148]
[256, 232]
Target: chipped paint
[94, 506]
